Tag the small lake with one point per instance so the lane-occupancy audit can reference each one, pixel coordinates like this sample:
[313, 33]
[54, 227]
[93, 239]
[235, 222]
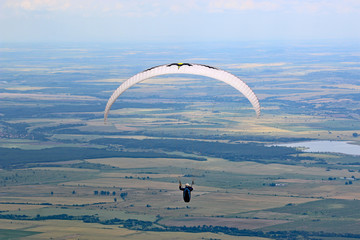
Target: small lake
[325, 146]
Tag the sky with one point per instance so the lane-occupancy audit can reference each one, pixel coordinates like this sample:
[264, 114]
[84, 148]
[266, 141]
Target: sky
[177, 21]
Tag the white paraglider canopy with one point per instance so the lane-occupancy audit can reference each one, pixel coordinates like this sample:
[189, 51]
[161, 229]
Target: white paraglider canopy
[186, 68]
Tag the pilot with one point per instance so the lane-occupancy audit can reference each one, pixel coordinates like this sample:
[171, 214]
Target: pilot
[186, 191]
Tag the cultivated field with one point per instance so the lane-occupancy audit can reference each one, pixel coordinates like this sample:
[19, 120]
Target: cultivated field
[65, 174]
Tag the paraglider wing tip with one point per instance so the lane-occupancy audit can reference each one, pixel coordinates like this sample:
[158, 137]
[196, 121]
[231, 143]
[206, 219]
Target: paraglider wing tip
[105, 118]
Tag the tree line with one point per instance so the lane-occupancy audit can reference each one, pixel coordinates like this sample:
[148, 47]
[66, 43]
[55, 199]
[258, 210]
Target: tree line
[17, 158]
[231, 151]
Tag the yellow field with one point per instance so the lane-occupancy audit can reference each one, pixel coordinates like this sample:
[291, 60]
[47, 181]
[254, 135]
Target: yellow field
[217, 164]
[76, 230]
[17, 207]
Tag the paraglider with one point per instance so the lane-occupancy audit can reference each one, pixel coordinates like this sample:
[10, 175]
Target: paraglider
[186, 68]
[186, 190]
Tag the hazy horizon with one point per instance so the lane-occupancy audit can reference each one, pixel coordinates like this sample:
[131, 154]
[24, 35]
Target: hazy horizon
[178, 21]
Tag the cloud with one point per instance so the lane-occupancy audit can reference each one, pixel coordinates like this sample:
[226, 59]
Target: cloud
[298, 6]
[241, 5]
[39, 5]
[69, 6]
[133, 8]
[256, 65]
[164, 7]
[183, 6]
[66, 20]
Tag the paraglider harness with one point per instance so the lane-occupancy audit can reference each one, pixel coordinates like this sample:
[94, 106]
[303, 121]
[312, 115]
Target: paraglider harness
[186, 191]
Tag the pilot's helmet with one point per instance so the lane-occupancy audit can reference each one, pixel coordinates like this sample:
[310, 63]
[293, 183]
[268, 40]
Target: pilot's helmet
[187, 185]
